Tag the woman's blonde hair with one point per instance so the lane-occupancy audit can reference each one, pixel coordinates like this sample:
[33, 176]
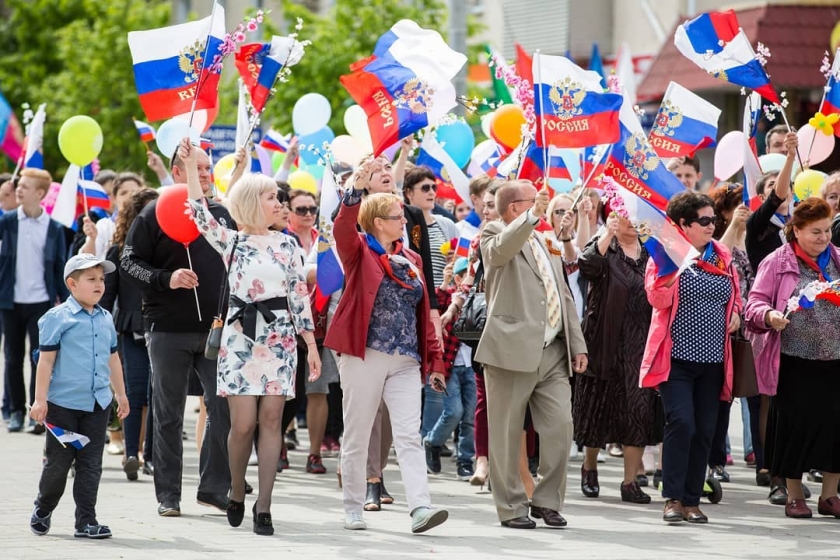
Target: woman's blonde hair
[244, 199]
[830, 181]
[376, 206]
[553, 204]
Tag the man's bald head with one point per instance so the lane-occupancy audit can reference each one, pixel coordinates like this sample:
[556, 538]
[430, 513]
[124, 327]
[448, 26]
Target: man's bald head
[179, 171]
[513, 198]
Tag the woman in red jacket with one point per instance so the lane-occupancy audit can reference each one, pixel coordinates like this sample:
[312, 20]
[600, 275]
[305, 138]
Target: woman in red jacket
[383, 333]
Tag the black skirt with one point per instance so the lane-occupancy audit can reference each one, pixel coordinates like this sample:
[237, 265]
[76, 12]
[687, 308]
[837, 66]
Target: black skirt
[803, 431]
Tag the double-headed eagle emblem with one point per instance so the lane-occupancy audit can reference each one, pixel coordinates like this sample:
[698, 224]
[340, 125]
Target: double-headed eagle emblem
[668, 119]
[566, 97]
[415, 95]
[639, 158]
[190, 61]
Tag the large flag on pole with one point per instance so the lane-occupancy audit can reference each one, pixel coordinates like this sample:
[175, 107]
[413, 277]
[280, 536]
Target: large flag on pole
[635, 166]
[330, 274]
[35, 139]
[572, 109]
[69, 203]
[259, 64]
[524, 63]
[716, 43]
[406, 84]
[831, 98]
[752, 169]
[170, 68]
[501, 91]
[684, 124]
[11, 135]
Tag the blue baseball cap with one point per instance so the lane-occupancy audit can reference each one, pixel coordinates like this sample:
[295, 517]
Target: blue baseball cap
[461, 265]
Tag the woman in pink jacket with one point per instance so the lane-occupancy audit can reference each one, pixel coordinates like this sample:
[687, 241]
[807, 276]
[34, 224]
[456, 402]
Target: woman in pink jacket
[688, 353]
[798, 357]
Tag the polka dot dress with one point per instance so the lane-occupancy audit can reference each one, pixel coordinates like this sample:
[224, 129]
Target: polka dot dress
[699, 329]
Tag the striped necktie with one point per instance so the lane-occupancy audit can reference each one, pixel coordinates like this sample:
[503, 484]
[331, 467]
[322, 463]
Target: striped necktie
[544, 266]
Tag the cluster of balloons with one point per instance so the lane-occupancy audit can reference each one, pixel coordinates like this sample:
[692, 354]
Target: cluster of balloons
[80, 140]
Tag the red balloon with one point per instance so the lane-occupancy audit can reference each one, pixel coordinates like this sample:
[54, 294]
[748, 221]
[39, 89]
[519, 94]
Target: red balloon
[173, 215]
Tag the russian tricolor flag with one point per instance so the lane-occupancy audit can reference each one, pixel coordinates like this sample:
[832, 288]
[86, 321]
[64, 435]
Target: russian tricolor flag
[752, 169]
[433, 156]
[715, 42]
[259, 64]
[534, 168]
[635, 166]
[406, 84]
[11, 136]
[66, 437]
[592, 161]
[275, 141]
[684, 124]
[329, 274]
[572, 109]
[146, 132]
[35, 139]
[170, 69]
[831, 101]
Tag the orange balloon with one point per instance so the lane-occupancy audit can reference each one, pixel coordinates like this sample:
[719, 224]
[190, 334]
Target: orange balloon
[506, 127]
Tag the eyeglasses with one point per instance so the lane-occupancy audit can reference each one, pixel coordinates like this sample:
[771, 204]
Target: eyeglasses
[400, 217]
[524, 200]
[304, 210]
[427, 187]
[705, 221]
[561, 212]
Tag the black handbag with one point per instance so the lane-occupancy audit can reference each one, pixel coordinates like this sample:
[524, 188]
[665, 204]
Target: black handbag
[473, 316]
[214, 337]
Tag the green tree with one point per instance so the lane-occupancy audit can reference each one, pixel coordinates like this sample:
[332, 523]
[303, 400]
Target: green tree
[74, 56]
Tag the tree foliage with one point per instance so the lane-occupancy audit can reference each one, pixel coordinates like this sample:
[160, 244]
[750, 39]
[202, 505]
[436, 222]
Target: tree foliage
[73, 55]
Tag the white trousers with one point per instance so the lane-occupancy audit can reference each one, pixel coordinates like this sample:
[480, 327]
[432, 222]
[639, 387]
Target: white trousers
[396, 380]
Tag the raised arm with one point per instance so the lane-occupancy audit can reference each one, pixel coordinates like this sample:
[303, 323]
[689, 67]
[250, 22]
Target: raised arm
[220, 237]
[500, 243]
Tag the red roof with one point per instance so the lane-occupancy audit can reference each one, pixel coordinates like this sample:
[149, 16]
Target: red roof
[796, 35]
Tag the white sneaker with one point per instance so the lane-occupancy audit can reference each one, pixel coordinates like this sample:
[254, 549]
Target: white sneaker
[601, 458]
[573, 451]
[353, 522]
[253, 460]
[117, 448]
[425, 518]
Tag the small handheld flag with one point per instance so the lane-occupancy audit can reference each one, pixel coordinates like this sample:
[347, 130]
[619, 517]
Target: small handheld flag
[66, 437]
[146, 132]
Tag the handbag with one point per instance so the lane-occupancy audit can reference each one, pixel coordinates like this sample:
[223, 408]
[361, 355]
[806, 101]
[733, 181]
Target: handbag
[319, 317]
[473, 316]
[214, 337]
[744, 383]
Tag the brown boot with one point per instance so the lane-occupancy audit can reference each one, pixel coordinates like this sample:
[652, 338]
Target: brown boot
[673, 512]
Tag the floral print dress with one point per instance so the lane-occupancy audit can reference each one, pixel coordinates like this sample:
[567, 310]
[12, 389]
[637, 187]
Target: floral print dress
[263, 267]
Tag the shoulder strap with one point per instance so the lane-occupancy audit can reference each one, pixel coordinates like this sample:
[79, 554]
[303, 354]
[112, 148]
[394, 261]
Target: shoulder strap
[224, 287]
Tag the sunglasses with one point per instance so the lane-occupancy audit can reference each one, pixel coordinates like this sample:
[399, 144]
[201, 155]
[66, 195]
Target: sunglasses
[400, 217]
[427, 187]
[705, 221]
[561, 212]
[304, 210]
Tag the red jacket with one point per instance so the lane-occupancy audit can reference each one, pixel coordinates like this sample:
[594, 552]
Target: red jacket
[363, 273]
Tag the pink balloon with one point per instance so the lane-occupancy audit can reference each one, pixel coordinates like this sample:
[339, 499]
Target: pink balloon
[820, 149]
[729, 155]
[52, 195]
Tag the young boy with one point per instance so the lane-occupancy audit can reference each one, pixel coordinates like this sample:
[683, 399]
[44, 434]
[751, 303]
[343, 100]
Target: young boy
[73, 393]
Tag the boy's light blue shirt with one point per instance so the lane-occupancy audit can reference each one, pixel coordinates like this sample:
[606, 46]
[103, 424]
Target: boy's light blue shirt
[84, 341]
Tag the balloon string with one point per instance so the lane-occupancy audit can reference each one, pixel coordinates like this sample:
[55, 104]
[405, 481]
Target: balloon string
[195, 289]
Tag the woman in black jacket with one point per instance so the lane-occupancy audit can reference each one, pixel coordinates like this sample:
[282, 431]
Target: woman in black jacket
[125, 302]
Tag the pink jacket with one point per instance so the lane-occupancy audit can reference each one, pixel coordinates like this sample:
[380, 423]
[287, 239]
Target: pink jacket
[775, 282]
[656, 363]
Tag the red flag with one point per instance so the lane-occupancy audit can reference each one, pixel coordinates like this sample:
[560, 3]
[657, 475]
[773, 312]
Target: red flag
[524, 64]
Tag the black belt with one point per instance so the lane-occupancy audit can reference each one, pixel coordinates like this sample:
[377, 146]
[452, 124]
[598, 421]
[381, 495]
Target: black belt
[246, 312]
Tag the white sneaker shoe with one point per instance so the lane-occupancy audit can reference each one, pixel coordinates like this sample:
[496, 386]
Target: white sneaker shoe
[253, 460]
[353, 522]
[601, 458]
[573, 451]
[425, 518]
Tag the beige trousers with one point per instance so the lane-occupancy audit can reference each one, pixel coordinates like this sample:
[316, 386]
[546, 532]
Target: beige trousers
[366, 383]
[380, 443]
[509, 393]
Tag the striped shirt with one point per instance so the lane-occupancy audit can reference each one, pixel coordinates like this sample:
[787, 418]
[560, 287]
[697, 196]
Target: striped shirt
[436, 240]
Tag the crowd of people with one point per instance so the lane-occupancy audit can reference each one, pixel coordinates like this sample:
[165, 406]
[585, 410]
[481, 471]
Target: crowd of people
[556, 334]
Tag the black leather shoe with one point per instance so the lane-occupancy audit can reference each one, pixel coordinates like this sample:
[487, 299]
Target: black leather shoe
[248, 488]
[385, 496]
[262, 523]
[235, 512]
[762, 479]
[212, 500]
[373, 501]
[589, 483]
[169, 509]
[549, 516]
[633, 493]
[523, 522]
[778, 496]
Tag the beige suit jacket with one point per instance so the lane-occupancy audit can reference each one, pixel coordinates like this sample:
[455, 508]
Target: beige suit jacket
[514, 334]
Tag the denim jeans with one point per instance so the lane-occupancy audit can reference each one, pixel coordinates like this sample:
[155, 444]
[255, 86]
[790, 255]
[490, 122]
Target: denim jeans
[458, 410]
[136, 368]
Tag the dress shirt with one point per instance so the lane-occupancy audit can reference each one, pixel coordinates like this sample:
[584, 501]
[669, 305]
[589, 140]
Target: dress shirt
[30, 285]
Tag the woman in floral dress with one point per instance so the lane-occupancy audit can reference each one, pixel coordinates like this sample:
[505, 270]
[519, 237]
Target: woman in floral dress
[269, 305]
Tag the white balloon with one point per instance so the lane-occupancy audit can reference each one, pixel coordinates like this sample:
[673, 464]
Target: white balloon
[346, 149]
[311, 113]
[199, 119]
[729, 155]
[170, 134]
[356, 124]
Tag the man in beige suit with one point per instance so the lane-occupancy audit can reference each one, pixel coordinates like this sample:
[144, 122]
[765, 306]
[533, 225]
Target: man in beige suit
[531, 343]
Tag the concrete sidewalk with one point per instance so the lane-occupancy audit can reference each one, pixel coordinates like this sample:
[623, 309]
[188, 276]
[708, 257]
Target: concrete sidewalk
[308, 519]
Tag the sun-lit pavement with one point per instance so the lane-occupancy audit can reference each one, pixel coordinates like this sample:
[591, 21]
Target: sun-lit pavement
[308, 520]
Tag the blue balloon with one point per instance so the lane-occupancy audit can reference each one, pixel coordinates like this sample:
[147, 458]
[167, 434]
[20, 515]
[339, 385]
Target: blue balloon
[458, 141]
[316, 141]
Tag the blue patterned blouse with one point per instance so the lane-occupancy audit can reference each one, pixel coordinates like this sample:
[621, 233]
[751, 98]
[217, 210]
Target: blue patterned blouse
[393, 324]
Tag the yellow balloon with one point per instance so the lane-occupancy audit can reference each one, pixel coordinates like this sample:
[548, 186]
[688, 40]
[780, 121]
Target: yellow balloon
[80, 140]
[808, 184]
[835, 37]
[303, 180]
[222, 172]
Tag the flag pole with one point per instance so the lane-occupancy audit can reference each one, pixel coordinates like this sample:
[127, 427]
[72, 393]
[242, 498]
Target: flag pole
[47, 426]
[784, 118]
[588, 178]
[195, 290]
[18, 165]
[203, 62]
[546, 161]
